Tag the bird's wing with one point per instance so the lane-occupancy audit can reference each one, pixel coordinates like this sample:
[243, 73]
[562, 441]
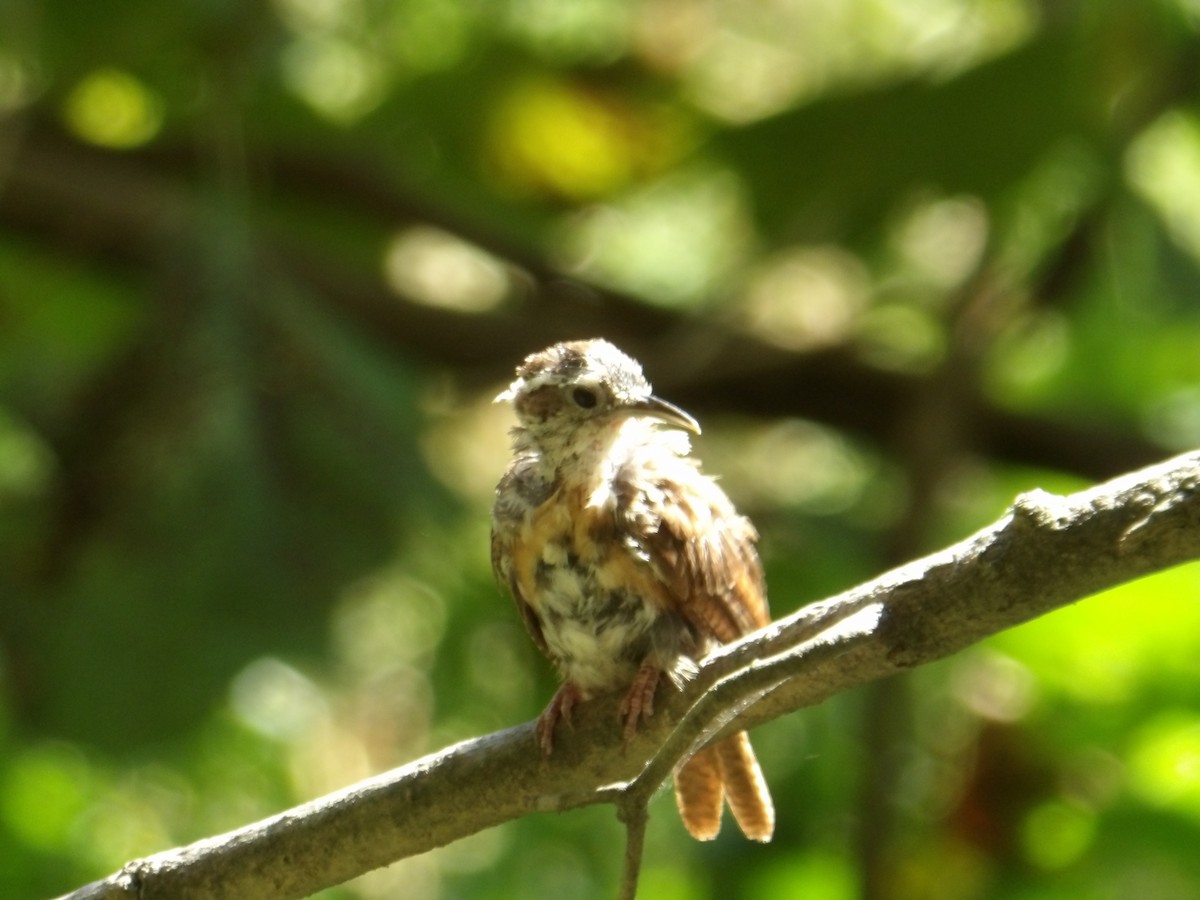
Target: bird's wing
[682, 523]
[514, 495]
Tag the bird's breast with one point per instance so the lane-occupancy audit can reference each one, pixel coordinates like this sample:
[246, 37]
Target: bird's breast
[597, 603]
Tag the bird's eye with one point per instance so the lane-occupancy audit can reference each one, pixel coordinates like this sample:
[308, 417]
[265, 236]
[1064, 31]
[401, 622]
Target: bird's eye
[584, 398]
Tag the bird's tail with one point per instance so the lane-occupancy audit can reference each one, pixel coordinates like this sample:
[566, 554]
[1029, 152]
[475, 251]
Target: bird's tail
[724, 771]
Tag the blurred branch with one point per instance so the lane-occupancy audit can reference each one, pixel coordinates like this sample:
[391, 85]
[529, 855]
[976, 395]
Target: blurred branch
[132, 212]
[1046, 552]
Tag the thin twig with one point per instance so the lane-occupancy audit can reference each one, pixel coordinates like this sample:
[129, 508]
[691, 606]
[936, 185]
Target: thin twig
[720, 704]
[635, 813]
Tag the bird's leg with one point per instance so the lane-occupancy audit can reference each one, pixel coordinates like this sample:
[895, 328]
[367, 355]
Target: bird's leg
[559, 707]
[639, 701]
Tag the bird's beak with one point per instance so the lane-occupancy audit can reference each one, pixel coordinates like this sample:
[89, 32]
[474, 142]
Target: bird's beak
[658, 408]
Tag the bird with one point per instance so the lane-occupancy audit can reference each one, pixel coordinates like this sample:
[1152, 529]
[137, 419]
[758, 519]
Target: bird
[626, 561]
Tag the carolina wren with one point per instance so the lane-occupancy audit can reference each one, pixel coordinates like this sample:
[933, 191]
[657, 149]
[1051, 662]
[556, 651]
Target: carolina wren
[625, 561]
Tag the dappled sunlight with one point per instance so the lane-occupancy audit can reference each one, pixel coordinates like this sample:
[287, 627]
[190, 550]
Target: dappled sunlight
[942, 240]
[114, 109]
[742, 78]
[143, 811]
[1174, 418]
[1048, 201]
[790, 463]
[320, 15]
[1028, 355]
[902, 337]
[466, 445]
[373, 710]
[322, 750]
[345, 55]
[1056, 834]
[577, 141]
[806, 297]
[276, 700]
[386, 631]
[46, 789]
[582, 31]
[336, 77]
[436, 268]
[673, 242]
[743, 62]
[388, 619]
[1164, 761]
[1163, 164]
[994, 686]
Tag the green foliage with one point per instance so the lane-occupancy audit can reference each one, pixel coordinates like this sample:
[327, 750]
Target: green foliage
[263, 267]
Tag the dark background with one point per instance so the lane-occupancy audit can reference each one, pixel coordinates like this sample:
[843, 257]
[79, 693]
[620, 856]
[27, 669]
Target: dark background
[264, 265]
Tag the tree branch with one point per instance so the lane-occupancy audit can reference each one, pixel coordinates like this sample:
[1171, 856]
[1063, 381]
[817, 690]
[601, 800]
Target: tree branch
[1046, 552]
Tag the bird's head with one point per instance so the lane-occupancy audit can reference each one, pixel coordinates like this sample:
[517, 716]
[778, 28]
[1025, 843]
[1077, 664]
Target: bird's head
[579, 388]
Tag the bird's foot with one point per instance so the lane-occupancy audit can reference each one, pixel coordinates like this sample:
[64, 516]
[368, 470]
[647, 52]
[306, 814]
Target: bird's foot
[559, 707]
[639, 701]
